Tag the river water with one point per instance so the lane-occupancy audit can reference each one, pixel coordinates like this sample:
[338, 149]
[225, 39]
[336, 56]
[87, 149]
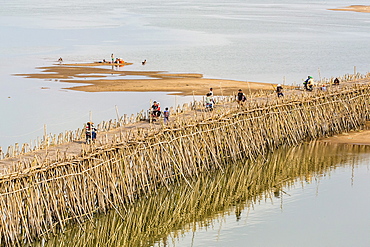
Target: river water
[264, 41]
[309, 195]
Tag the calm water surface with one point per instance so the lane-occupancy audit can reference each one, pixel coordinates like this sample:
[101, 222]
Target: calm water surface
[333, 211]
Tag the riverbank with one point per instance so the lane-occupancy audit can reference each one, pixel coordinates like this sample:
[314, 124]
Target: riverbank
[354, 138]
[105, 77]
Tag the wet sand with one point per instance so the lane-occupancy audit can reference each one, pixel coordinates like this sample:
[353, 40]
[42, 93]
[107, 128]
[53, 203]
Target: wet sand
[360, 137]
[353, 137]
[101, 77]
[355, 8]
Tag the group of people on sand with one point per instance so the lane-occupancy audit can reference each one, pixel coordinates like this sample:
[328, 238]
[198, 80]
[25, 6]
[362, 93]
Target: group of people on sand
[120, 60]
[113, 60]
[116, 60]
[156, 113]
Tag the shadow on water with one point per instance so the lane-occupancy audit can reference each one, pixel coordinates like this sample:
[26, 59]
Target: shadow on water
[170, 213]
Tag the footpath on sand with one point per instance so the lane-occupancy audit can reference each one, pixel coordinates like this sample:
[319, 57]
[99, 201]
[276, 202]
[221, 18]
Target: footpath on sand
[75, 149]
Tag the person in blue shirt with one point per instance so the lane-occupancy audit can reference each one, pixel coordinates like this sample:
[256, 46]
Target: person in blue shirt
[166, 115]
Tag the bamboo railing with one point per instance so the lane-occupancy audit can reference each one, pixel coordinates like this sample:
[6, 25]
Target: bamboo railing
[45, 196]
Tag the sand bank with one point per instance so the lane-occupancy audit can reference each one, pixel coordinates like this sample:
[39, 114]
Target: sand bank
[354, 138]
[361, 137]
[355, 8]
[113, 78]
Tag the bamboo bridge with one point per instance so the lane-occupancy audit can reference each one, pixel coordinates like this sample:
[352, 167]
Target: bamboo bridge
[42, 194]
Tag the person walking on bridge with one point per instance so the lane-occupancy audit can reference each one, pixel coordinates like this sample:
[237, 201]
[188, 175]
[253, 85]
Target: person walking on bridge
[166, 115]
[241, 98]
[211, 91]
[309, 83]
[90, 132]
[336, 81]
[209, 102]
[279, 90]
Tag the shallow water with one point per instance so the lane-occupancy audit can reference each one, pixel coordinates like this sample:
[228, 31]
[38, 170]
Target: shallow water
[264, 41]
[310, 195]
[330, 212]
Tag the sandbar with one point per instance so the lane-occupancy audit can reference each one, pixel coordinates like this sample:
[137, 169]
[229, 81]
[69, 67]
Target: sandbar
[107, 77]
[355, 8]
[360, 137]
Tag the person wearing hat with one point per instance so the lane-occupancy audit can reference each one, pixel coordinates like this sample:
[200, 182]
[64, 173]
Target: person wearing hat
[279, 90]
[308, 83]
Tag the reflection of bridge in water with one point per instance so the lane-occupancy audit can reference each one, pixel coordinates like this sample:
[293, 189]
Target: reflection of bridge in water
[45, 195]
[187, 207]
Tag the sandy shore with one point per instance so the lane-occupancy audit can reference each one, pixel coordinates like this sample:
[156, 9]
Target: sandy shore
[355, 8]
[354, 138]
[103, 77]
[361, 137]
